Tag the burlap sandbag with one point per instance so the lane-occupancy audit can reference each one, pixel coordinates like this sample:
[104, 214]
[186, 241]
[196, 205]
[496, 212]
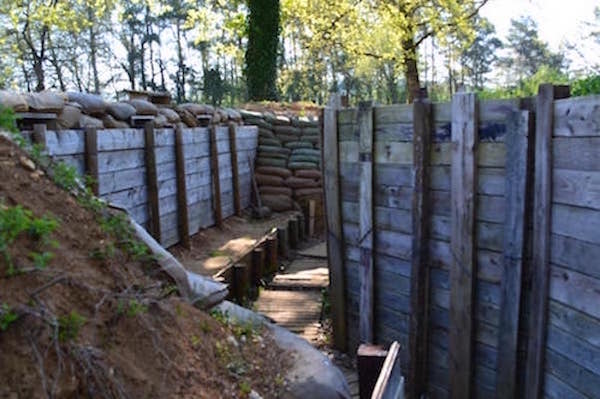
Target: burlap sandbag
[308, 192]
[269, 180]
[233, 114]
[269, 141]
[307, 151]
[161, 121]
[111, 123]
[187, 117]
[286, 138]
[196, 109]
[311, 131]
[275, 171]
[143, 107]
[266, 133]
[261, 123]
[278, 203]
[282, 120]
[68, 118]
[305, 158]
[91, 104]
[272, 155]
[275, 190]
[310, 139]
[46, 101]
[309, 174]
[262, 161]
[302, 165]
[15, 101]
[89, 121]
[121, 111]
[172, 116]
[300, 182]
[298, 144]
[274, 149]
[279, 129]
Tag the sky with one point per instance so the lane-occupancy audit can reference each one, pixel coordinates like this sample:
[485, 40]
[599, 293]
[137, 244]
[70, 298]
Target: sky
[558, 21]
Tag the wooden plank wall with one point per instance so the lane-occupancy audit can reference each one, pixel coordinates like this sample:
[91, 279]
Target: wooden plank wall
[122, 171]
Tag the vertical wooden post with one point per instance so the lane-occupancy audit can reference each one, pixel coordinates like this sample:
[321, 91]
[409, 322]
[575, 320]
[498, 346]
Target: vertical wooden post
[331, 185]
[91, 157]
[283, 241]
[182, 203]
[542, 212]
[152, 181]
[369, 361]
[517, 172]
[272, 260]
[39, 134]
[312, 210]
[258, 265]
[293, 233]
[462, 242]
[366, 304]
[419, 288]
[301, 227]
[214, 171]
[241, 282]
[235, 173]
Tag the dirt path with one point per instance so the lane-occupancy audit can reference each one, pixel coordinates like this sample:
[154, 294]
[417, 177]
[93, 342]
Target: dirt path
[294, 300]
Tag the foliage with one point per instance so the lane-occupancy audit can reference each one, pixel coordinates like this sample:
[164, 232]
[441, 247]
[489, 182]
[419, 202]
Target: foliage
[7, 317]
[136, 308]
[7, 120]
[586, 86]
[65, 176]
[69, 326]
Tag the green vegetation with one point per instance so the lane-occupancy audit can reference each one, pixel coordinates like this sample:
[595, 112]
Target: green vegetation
[69, 326]
[135, 308]
[7, 317]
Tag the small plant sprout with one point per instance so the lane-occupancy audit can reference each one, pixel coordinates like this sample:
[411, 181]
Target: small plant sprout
[69, 326]
[7, 317]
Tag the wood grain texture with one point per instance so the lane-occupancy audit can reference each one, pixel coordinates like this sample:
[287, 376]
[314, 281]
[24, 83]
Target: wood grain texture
[365, 227]
[335, 253]
[577, 117]
[91, 158]
[182, 202]
[540, 263]
[463, 269]
[517, 171]
[237, 203]
[216, 181]
[419, 289]
[152, 180]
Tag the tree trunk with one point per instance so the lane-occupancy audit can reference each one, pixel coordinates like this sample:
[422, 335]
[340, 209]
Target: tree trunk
[180, 76]
[38, 70]
[411, 71]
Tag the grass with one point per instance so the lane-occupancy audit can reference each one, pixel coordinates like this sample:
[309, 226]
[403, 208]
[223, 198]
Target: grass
[7, 317]
[69, 326]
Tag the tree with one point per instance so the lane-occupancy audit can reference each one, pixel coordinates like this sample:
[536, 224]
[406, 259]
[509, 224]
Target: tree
[479, 57]
[261, 51]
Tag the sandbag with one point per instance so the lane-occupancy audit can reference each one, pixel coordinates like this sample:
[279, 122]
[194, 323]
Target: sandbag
[309, 174]
[274, 190]
[272, 155]
[161, 121]
[266, 133]
[172, 116]
[261, 123]
[68, 118]
[275, 171]
[121, 111]
[286, 138]
[307, 151]
[45, 101]
[310, 139]
[196, 109]
[91, 104]
[300, 182]
[15, 101]
[89, 121]
[278, 129]
[302, 165]
[269, 141]
[278, 203]
[233, 114]
[311, 131]
[247, 114]
[268, 180]
[274, 149]
[143, 107]
[111, 123]
[298, 144]
[308, 192]
[216, 118]
[305, 158]
[187, 117]
[282, 120]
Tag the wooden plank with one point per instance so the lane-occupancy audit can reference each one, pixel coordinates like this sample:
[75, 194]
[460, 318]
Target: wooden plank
[577, 117]
[419, 290]
[517, 170]
[331, 185]
[151, 180]
[574, 187]
[369, 360]
[540, 263]
[237, 204]
[91, 158]
[390, 384]
[40, 137]
[463, 269]
[576, 153]
[216, 181]
[365, 234]
[182, 202]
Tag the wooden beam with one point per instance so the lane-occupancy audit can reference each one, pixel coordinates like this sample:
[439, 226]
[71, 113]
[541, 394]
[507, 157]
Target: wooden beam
[331, 185]
[283, 241]
[91, 157]
[312, 210]
[294, 236]
[365, 242]
[152, 181]
[518, 165]
[258, 265]
[216, 182]
[542, 214]
[390, 383]
[271, 255]
[369, 361]
[39, 135]
[182, 203]
[235, 173]
[419, 289]
[463, 268]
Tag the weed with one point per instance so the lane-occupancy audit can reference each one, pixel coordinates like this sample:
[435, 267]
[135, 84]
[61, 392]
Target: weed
[41, 260]
[65, 176]
[245, 388]
[69, 326]
[325, 301]
[8, 120]
[103, 253]
[7, 317]
[195, 341]
[205, 327]
[244, 329]
[169, 290]
[136, 308]
[221, 317]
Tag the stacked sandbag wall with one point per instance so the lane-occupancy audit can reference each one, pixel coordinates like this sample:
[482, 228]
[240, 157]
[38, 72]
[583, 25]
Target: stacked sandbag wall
[288, 161]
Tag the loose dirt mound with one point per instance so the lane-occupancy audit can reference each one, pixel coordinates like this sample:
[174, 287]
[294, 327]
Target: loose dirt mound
[83, 314]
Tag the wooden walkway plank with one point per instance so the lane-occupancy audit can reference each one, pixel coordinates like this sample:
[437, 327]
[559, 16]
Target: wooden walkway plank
[463, 268]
